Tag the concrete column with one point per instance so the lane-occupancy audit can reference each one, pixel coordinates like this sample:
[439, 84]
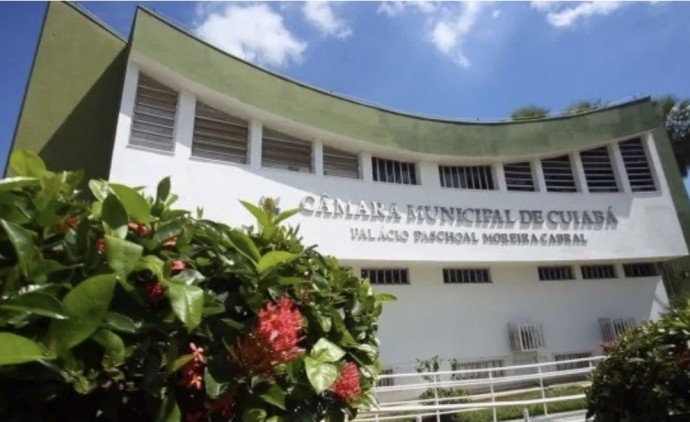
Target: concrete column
[654, 162]
[428, 174]
[365, 166]
[538, 172]
[184, 125]
[578, 172]
[255, 140]
[499, 177]
[317, 157]
[124, 120]
[619, 167]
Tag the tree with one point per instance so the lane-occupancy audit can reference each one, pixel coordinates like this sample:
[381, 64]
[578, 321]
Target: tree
[675, 114]
[529, 112]
[583, 106]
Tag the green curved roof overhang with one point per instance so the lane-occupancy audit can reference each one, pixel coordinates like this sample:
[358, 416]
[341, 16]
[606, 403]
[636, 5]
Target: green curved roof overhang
[194, 59]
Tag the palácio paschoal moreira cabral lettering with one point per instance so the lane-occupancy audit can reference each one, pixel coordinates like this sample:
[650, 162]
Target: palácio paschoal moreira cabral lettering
[548, 227]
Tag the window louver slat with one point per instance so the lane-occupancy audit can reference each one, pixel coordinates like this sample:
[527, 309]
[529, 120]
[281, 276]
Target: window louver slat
[466, 275]
[555, 273]
[592, 272]
[153, 120]
[637, 166]
[519, 177]
[643, 269]
[285, 152]
[598, 170]
[558, 174]
[466, 177]
[391, 171]
[219, 136]
[340, 163]
[483, 364]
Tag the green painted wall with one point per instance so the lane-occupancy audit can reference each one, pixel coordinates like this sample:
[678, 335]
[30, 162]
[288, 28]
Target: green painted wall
[73, 95]
[198, 61]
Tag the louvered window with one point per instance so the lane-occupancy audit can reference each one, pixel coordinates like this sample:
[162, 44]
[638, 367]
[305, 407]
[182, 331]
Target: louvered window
[388, 381]
[219, 136]
[526, 337]
[474, 366]
[598, 170]
[519, 176]
[566, 366]
[285, 152]
[558, 174]
[612, 328]
[153, 121]
[637, 166]
[466, 275]
[555, 273]
[591, 272]
[340, 163]
[386, 275]
[644, 269]
[391, 171]
[466, 177]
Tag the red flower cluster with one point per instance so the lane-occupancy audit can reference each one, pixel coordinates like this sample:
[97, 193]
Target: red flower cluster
[177, 266]
[192, 372]
[274, 340]
[100, 245]
[155, 291]
[347, 385]
[139, 229]
[69, 223]
[170, 243]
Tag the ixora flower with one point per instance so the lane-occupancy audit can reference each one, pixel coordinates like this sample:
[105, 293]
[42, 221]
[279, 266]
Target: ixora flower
[176, 266]
[193, 371]
[155, 291]
[100, 245]
[170, 243]
[275, 338]
[140, 229]
[69, 223]
[347, 385]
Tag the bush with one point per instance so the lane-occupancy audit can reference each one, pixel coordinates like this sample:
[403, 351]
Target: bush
[119, 307]
[646, 376]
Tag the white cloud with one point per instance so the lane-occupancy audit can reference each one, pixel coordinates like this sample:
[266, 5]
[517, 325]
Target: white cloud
[563, 15]
[394, 8]
[321, 15]
[253, 32]
[496, 13]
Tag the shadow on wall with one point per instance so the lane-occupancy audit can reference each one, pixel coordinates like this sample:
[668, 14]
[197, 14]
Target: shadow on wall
[85, 139]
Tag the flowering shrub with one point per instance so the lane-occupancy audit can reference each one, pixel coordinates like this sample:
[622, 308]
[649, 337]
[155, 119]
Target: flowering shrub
[120, 307]
[646, 374]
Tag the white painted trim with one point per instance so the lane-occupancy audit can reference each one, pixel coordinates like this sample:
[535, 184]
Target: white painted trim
[578, 172]
[619, 167]
[255, 141]
[538, 174]
[184, 125]
[317, 157]
[499, 177]
[365, 167]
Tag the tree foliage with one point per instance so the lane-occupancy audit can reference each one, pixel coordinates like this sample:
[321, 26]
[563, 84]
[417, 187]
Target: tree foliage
[646, 376]
[121, 307]
[529, 112]
[583, 106]
[675, 114]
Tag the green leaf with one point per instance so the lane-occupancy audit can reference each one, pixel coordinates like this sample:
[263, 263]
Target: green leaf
[254, 415]
[163, 190]
[122, 255]
[290, 281]
[27, 163]
[36, 303]
[321, 375]
[166, 231]
[99, 188]
[169, 411]
[325, 351]
[22, 242]
[187, 303]
[135, 204]
[151, 263]
[213, 387]
[16, 349]
[275, 396]
[178, 363]
[115, 217]
[258, 213]
[285, 215]
[273, 259]
[244, 245]
[120, 322]
[385, 297]
[85, 306]
[112, 344]
[10, 183]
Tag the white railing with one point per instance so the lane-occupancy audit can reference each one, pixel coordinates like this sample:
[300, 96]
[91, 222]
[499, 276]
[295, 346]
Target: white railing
[402, 399]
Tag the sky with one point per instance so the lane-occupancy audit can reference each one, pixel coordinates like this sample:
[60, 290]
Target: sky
[463, 60]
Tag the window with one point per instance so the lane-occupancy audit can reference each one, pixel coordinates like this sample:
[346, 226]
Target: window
[643, 269]
[591, 272]
[558, 174]
[637, 166]
[519, 176]
[282, 151]
[153, 121]
[391, 171]
[466, 177]
[555, 273]
[386, 276]
[526, 337]
[386, 382]
[612, 328]
[480, 364]
[340, 163]
[466, 275]
[572, 356]
[598, 170]
[219, 136]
